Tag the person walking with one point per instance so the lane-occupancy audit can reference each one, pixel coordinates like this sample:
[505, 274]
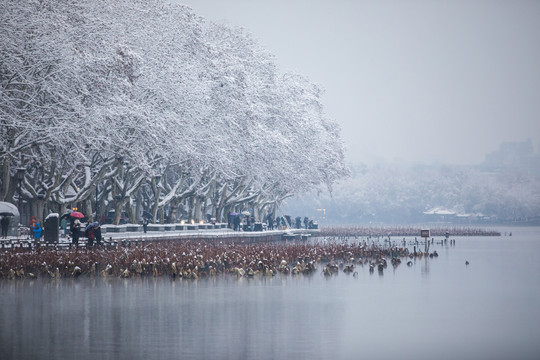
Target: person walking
[237, 223]
[229, 220]
[145, 224]
[76, 233]
[251, 223]
[5, 226]
[97, 233]
[33, 222]
[90, 235]
[63, 224]
[270, 222]
[37, 230]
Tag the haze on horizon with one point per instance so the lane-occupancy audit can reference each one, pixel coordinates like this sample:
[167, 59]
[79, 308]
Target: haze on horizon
[413, 81]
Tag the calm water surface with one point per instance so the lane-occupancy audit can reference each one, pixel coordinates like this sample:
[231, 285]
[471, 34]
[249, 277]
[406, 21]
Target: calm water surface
[437, 309]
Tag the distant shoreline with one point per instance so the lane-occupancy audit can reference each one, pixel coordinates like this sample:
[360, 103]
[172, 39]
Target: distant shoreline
[404, 230]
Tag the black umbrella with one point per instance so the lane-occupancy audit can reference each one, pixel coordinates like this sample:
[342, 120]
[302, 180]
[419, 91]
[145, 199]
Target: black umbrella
[66, 215]
[6, 213]
[147, 214]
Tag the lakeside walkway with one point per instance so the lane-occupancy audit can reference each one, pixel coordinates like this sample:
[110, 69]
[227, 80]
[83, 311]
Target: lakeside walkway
[112, 237]
[132, 234]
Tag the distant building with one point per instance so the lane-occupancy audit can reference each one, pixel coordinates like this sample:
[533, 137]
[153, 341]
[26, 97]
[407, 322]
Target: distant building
[439, 214]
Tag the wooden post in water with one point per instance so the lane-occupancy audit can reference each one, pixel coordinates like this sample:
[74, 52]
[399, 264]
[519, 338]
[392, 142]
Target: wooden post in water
[425, 234]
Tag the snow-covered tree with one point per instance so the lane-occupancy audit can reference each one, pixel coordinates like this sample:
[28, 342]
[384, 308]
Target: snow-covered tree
[144, 103]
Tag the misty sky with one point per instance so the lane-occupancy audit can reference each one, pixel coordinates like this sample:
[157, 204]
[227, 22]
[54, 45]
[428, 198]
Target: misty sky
[420, 81]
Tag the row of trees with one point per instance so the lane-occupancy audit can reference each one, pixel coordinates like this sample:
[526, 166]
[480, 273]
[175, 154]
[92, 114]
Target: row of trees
[142, 105]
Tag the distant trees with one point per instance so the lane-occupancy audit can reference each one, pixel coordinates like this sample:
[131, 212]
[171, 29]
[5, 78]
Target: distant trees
[400, 194]
[142, 105]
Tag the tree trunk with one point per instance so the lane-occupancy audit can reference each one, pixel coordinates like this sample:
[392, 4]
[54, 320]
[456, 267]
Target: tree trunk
[62, 209]
[118, 206]
[204, 208]
[101, 206]
[173, 213]
[197, 209]
[162, 215]
[189, 208]
[221, 205]
[5, 179]
[156, 191]
[131, 212]
[37, 208]
[88, 210]
[138, 206]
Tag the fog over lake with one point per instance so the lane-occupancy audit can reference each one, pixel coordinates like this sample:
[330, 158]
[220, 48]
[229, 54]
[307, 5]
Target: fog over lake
[420, 81]
[437, 308]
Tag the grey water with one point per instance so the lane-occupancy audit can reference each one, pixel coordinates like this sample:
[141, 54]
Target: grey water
[438, 308]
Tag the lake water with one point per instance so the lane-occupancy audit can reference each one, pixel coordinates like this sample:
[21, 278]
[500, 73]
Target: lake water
[436, 309]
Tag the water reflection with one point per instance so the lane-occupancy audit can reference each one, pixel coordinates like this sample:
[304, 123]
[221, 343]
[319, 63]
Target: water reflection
[436, 308]
[139, 318]
[424, 266]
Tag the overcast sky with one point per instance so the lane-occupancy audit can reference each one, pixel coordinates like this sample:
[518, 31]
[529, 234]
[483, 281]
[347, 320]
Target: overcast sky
[420, 81]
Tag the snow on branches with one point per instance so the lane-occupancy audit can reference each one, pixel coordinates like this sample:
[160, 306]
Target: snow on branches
[100, 97]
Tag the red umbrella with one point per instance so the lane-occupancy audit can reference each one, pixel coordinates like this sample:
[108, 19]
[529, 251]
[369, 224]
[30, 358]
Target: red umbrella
[77, 214]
